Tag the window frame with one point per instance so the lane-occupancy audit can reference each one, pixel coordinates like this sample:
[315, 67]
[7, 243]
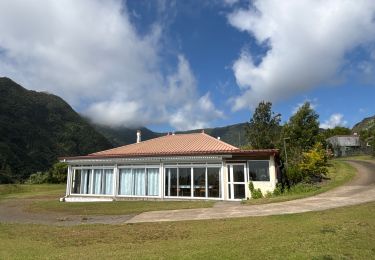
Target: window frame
[269, 172]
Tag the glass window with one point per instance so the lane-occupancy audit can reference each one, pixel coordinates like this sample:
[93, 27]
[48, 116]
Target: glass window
[171, 182]
[213, 182]
[239, 191]
[82, 181]
[126, 186]
[238, 173]
[96, 181]
[139, 181]
[184, 182]
[152, 181]
[199, 182]
[259, 170]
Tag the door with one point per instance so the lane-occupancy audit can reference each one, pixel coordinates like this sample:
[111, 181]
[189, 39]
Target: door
[237, 180]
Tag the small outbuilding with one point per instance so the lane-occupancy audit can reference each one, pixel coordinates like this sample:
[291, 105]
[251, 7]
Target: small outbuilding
[174, 166]
[344, 145]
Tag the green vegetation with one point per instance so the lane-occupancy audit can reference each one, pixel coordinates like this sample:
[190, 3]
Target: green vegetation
[56, 174]
[338, 130]
[17, 191]
[263, 131]
[343, 233]
[36, 128]
[113, 208]
[338, 173]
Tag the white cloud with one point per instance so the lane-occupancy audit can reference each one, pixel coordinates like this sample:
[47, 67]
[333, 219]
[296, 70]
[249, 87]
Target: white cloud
[333, 121]
[308, 41]
[89, 53]
[313, 105]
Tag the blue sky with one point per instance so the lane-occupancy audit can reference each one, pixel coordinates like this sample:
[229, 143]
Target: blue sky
[190, 64]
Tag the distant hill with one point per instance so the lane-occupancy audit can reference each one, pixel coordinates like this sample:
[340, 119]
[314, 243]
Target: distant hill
[232, 134]
[365, 124]
[36, 128]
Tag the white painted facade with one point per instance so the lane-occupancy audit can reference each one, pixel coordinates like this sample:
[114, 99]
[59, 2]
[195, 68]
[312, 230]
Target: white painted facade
[220, 178]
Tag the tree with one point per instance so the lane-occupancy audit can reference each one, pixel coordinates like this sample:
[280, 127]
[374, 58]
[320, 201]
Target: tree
[314, 163]
[302, 131]
[338, 130]
[263, 130]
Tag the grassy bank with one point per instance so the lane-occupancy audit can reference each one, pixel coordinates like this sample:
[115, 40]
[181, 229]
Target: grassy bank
[343, 233]
[339, 173]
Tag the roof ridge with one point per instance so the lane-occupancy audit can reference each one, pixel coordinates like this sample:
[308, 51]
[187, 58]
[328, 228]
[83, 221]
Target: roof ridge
[220, 141]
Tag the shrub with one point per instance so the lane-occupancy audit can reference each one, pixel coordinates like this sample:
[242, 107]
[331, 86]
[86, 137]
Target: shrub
[278, 190]
[255, 193]
[38, 178]
[314, 165]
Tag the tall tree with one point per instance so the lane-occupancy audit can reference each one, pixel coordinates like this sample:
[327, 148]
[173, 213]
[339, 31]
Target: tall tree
[263, 130]
[301, 133]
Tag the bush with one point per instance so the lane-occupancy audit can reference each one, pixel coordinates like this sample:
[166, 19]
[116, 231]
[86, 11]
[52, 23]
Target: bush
[278, 190]
[38, 178]
[255, 193]
[57, 174]
[314, 164]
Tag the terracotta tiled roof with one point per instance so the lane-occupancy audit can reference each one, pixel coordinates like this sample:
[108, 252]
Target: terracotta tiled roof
[179, 144]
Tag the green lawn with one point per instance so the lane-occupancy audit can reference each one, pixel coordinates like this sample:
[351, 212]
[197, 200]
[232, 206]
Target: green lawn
[17, 191]
[358, 157]
[339, 173]
[343, 233]
[113, 208]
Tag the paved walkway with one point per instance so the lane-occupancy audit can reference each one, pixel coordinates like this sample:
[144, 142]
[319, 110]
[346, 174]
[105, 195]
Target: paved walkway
[359, 190]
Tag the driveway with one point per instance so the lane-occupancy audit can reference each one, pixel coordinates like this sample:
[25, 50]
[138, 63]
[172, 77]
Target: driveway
[360, 190]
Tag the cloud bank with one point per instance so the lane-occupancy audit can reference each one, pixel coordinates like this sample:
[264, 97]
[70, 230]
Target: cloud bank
[89, 53]
[307, 41]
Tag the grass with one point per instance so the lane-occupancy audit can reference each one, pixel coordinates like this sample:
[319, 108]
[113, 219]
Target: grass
[339, 173]
[45, 198]
[358, 157]
[113, 208]
[343, 233]
[14, 191]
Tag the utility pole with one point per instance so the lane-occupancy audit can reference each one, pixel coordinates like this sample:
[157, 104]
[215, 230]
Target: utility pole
[286, 155]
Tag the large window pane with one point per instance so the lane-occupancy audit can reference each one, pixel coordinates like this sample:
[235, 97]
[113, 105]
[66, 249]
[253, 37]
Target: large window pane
[184, 182]
[153, 182]
[126, 182]
[139, 181]
[238, 173]
[171, 182]
[76, 182]
[259, 170]
[98, 182]
[213, 179]
[239, 191]
[108, 182]
[199, 182]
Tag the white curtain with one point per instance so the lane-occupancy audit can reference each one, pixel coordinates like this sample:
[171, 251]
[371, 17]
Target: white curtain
[139, 181]
[98, 181]
[126, 182]
[108, 188]
[84, 181]
[153, 181]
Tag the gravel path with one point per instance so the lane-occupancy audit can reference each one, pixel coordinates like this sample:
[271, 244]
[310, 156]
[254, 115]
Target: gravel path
[360, 190]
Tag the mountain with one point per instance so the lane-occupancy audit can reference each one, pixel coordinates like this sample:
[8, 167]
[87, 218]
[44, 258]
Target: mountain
[232, 134]
[365, 124]
[36, 128]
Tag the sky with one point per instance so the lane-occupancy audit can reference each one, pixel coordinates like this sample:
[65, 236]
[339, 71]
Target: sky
[179, 65]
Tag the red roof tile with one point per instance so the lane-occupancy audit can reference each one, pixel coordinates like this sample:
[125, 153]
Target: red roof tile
[196, 143]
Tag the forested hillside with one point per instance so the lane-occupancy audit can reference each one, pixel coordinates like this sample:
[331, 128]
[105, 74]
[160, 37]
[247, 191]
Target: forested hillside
[36, 128]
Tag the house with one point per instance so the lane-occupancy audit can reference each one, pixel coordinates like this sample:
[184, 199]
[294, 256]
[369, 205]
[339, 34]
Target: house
[174, 166]
[344, 145]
